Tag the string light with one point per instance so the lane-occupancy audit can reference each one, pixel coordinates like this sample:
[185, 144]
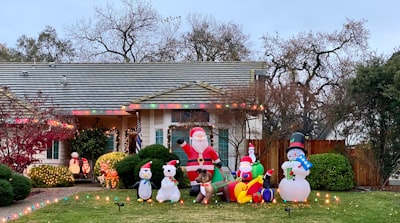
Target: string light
[36, 206]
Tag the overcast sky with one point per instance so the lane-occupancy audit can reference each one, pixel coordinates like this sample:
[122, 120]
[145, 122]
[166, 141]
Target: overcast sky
[257, 17]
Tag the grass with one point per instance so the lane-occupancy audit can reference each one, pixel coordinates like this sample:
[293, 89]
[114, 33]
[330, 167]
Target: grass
[374, 206]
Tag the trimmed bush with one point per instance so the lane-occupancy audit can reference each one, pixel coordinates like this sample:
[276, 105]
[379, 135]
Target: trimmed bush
[157, 151]
[51, 176]
[126, 170]
[21, 186]
[5, 172]
[113, 157]
[331, 171]
[6, 193]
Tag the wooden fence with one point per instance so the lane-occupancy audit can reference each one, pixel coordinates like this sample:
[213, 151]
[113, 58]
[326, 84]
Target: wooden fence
[364, 167]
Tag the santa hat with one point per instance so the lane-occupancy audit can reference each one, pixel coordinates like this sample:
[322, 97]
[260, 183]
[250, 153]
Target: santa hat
[297, 141]
[84, 160]
[195, 129]
[147, 165]
[270, 172]
[251, 146]
[173, 162]
[246, 159]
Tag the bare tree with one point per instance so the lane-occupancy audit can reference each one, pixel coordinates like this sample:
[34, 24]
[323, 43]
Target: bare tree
[131, 33]
[235, 109]
[312, 67]
[210, 41]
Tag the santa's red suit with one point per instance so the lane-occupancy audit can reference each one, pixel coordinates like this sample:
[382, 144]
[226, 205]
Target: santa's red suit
[200, 154]
[245, 168]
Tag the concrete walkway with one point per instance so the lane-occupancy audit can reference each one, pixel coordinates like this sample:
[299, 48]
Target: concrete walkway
[40, 195]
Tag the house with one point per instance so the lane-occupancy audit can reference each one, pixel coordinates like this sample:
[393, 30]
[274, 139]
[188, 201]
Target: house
[157, 100]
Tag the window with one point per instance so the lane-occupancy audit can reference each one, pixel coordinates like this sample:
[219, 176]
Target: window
[53, 151]
[110, 143]
[176, 149]
[159, 137]
[223, 146]
[190, 116]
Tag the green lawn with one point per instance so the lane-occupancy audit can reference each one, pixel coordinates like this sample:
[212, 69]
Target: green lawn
[352, 207]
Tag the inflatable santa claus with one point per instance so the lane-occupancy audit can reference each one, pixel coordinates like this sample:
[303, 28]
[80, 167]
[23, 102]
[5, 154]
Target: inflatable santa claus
[200, 155]
[245, 169]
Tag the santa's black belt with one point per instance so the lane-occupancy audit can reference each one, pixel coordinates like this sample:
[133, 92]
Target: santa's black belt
[200, 160]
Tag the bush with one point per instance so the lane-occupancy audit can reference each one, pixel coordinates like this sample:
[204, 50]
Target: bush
[21, 186]
[5, 172]
[157, 151]
[126, 170]
[6, 193]
[89, 143]
[51, 176]
[331, 171]
[113, 157]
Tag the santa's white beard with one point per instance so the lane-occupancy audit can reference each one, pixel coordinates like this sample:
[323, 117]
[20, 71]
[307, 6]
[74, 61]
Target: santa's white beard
[245, 168]
[199, 146]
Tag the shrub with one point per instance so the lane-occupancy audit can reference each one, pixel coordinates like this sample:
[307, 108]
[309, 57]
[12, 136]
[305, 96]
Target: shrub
[331, 171]
[89, 143]
[157, 151]
[6, 193]
[5, 172]
[113, 157]
[51, 176]
[126, 170]
[21, 186]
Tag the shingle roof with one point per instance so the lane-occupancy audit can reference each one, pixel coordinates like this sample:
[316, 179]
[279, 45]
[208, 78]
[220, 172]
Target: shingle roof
[7, 98]
[105, 87]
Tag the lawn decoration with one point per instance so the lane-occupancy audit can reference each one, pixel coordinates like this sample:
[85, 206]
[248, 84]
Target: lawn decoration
[200, 155]
[244, 174]
[251, 152]
[169, 185]
[245, 195]
[78, 166]
[256, 190]
[209, 188]
[294, 186]
[74, 166]
[85, 167]
[144, 186]
[265, 194]
[108, 177]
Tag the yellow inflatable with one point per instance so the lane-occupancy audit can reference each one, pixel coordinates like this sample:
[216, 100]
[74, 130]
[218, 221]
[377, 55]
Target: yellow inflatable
[244, 192]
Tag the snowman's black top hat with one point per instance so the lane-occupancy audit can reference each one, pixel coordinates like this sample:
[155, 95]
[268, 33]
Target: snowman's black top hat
[297, 141]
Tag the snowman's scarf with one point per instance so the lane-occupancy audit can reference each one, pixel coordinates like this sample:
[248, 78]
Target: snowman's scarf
[173, 180]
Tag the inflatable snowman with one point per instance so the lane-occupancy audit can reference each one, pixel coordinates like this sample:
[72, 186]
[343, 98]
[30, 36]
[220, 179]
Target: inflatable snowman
[74, 165]
[294, 186]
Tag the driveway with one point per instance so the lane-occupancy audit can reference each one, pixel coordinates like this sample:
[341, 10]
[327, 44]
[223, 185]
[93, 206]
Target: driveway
[40, 195]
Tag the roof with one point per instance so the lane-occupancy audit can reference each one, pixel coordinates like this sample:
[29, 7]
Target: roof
[9, 102]
[105, 88]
